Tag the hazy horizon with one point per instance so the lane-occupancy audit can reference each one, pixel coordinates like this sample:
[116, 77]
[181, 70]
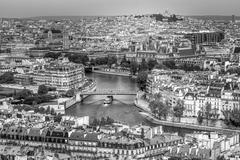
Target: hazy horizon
[38, 8]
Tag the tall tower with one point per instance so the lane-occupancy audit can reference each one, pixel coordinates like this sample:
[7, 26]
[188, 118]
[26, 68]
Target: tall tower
[50, 35]
[233, 19]
[66, 43]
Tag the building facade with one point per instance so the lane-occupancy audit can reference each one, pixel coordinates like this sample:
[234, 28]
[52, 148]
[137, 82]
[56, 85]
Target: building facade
[62, 75]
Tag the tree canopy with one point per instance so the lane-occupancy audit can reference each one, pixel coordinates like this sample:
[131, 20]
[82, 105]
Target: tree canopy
[133, 67]
[151, 64]
[70, 93]
[178, 109]
[111, 60]
[200, 117]
[170, 64]
[142, 80]
[58, 118]
[78, 58]
[125, 63]
[7, 77]
[52, 55]
[232, 116]
[143, 66]
[208, 109]
[42, 89]
[158, 108]
[101, 60]
[23, 94]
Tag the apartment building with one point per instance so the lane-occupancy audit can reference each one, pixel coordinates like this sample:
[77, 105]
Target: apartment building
[195, 95]
[89, 145]
[63, 75]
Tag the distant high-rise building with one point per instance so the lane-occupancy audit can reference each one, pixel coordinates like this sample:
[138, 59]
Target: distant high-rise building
[233, 19]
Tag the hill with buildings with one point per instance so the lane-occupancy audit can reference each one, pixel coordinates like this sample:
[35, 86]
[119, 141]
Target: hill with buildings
[215, 17]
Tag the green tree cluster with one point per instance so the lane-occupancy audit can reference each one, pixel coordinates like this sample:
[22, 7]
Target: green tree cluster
[41, 110]
[36, 109]
[27, 97]
[200, 117]
[152, 64]
[124, 63]
[81, 58]
[70, 93]
[101, 61]
[58, 118]
[7, 77]
[102, 122]
[232, 117]
[52, 55]
[111, 60]
[159, 109]
[233, 71]
[208, 109]
[42, 89]
[178, 109]
[142, 80]
[170, 64]
[133, 67]
[22, 94]
[23, 108]
[189, 67]
[38, 99]
[143, 66]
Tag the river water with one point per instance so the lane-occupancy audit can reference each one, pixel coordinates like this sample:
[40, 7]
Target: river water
[122, 109]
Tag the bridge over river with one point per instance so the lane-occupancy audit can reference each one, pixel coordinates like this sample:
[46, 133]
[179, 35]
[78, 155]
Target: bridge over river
[108, 92]
[79, 96]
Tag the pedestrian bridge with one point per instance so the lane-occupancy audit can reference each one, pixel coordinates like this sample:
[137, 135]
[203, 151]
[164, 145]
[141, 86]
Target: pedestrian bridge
[109, 92]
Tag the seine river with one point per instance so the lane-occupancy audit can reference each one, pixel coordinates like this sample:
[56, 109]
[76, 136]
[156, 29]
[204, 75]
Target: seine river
[122, 109]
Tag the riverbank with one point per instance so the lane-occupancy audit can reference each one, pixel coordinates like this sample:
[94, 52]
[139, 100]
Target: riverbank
[143, 105]
[184, 122]
[89, 86]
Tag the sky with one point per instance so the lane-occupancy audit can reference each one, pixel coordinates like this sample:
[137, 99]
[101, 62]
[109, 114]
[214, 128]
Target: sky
[31, 8]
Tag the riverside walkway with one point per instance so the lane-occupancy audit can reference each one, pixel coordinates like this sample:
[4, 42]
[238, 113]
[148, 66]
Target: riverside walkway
[196, 127]
[191, 126]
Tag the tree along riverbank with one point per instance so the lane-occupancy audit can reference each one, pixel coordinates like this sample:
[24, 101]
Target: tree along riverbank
[170, 120]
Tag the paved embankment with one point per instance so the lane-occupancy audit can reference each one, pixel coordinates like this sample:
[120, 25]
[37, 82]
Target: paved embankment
[147, 114]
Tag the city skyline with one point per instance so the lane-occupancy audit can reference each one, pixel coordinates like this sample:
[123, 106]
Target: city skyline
[31, 8]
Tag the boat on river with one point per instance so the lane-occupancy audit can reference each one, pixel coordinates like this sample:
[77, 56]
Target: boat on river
[108, 100]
